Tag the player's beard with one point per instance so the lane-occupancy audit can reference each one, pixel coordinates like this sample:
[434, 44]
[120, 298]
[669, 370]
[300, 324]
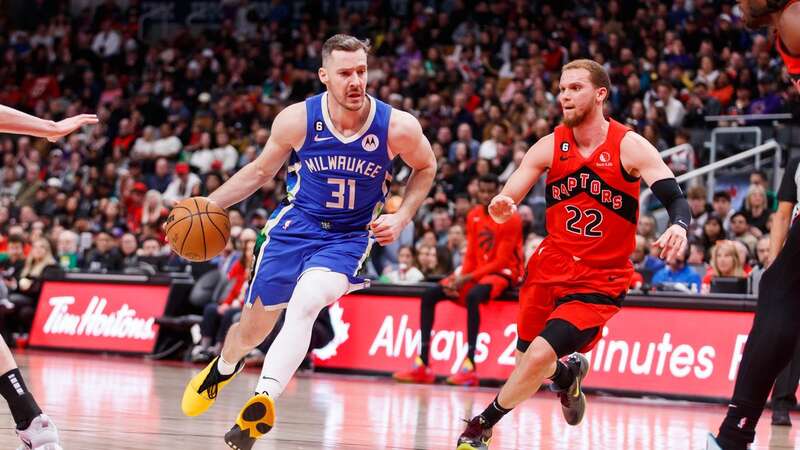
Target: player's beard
[577, 118]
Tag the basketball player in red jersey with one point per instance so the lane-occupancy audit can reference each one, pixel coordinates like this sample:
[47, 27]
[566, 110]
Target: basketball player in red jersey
[775, 330]
[34, 428]
[580, 273]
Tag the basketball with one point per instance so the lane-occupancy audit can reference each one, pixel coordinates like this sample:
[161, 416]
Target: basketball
[197, 229]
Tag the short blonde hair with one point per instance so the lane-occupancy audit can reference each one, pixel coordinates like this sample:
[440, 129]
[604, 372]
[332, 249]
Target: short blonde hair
[597, 73]
[343, 42]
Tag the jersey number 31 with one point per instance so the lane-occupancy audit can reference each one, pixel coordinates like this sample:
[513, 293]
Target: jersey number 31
[344, 189]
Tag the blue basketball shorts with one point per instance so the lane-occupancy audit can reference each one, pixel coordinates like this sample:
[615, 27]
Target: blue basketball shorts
[292, 244]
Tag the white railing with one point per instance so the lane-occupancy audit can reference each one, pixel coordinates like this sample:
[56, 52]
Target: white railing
[770, 145]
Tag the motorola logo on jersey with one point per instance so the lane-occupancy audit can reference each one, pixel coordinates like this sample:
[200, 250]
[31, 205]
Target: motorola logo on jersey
[370, 142]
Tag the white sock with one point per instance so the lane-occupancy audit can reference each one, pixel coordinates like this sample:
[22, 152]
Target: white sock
[291, 345]
[224, 367]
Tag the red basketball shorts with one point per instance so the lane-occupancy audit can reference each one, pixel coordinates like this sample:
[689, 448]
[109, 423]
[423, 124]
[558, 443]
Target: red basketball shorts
[558, 286]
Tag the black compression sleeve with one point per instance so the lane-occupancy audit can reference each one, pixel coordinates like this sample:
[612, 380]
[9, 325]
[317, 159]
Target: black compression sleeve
[670, 195]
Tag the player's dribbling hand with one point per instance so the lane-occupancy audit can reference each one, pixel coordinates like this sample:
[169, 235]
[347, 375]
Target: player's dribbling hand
[672, 242]
[387, 228]
[502, 208]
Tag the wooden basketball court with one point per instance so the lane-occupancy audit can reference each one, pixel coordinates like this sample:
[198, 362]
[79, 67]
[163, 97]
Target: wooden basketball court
[130, 403]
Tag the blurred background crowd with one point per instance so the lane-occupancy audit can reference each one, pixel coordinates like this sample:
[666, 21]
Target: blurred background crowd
[181, 112]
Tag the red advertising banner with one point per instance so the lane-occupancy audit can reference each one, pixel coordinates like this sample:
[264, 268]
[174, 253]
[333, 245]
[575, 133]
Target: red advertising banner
[669, 351]
[97, 316]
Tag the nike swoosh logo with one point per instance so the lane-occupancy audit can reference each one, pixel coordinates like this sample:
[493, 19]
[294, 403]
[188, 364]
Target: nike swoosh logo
[319, 139]
[564, 158]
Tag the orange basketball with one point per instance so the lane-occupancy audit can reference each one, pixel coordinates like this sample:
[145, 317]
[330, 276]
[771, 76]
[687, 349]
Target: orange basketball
[197, 229]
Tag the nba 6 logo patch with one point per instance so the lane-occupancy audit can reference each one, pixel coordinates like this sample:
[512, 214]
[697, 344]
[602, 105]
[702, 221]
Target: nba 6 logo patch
[370, 142]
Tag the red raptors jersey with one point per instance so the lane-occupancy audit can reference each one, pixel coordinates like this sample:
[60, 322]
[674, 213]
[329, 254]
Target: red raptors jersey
[592, 203]
[792, 61]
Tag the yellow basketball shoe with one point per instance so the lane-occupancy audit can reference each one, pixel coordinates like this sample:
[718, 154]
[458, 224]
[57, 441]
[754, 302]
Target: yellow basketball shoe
[255, 419]
[202, 390]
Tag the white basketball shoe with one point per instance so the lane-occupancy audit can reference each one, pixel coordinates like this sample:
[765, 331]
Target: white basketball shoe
[41, 434]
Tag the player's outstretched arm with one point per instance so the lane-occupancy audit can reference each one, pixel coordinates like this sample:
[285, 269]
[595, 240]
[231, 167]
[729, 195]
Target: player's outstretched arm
[642, 159]
[18, 122]
[538, 159]
[288, 132]
[407, 141]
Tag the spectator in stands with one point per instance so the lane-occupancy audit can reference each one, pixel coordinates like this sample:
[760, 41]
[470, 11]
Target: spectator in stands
[219, 315]
[431, 263]
[759, 178]
[741, 231]
[471, 145]
[185, 185]
[134, 206]
[67, 250]
[105, 256]
[721, 203]
[665, 98]
[456, 243]
[161, 178]
[762, 255]
[26, 195]
[725, 262]
[696, 196]
[15, 259]
[404, 272]
[153, 210]
[643, 262]
[678, 274]
[701, 104]
[697, 254]
[152, 254]
[647, 227]
[756, 208]
[24, 294]
[492, 263]
[151, 146]
[111, 220]
[712, 233]
[129, 251]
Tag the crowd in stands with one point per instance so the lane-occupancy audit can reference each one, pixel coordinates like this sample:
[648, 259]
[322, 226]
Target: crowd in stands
[179, 115]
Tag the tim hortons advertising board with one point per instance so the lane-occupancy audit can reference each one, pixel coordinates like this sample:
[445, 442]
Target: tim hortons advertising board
[653, 350]
[98, 316]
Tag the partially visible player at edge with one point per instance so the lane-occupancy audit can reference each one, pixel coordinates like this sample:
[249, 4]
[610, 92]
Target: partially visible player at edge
[34, 428]
[580, 273]
[776, 327]
[340, 146]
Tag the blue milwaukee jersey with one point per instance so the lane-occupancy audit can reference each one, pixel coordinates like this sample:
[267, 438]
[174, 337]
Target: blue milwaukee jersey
[341, 182]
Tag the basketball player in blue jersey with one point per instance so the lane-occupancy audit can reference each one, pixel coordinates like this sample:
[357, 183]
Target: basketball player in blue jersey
[340, 146]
